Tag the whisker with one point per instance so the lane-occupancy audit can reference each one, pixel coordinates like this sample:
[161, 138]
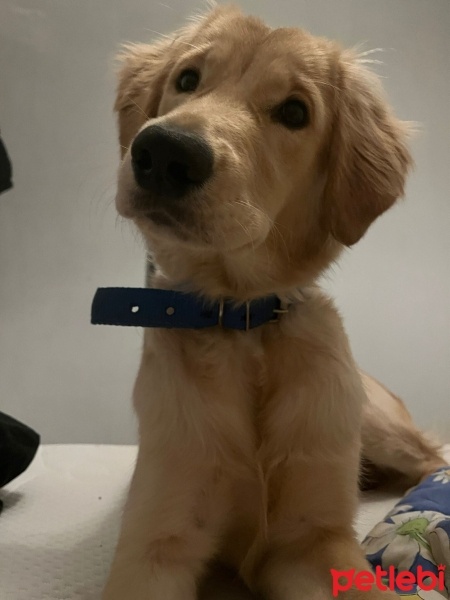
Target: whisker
[272, 225]
[246, 231]
[281, 237]
[369, 61]
[166, 6]
[188, 44]
[138, 107]
[361, 57]
[327, 83]
[172, 38]
[252, 207]
[368, 52]
[164, 35]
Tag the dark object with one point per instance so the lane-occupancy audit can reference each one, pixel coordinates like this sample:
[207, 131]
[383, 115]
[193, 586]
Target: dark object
[375, 477]
[18, 445]
[144, 307]
[5, 169]
[169, 161]
[188, 81]
[221, 583]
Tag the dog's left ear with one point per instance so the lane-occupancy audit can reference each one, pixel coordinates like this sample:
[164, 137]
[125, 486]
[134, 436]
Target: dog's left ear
[368, 158]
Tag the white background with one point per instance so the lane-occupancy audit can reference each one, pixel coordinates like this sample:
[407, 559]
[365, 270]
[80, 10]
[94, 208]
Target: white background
[60, 238]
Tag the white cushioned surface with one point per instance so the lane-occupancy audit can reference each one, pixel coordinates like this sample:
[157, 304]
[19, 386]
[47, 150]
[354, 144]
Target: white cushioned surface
[61, 517]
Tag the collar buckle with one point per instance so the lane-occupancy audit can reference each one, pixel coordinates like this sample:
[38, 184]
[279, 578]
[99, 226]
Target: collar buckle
[282, 310]
[221, 307]
[247, 315]
[279, 311]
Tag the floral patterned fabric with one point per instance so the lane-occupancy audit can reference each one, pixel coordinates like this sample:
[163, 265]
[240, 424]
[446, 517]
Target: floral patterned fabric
[415, 535]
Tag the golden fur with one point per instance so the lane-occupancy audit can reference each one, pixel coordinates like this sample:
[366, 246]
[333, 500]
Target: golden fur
[250, 442]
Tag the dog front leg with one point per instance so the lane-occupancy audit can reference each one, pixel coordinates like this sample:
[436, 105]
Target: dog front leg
[168, 531]
[310, 455]
[312, 553]
[178, 496]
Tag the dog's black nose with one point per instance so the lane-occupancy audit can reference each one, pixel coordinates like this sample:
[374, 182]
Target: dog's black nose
[170, 161]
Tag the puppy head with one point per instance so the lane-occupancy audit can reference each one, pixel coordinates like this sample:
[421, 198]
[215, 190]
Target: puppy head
[258, 152]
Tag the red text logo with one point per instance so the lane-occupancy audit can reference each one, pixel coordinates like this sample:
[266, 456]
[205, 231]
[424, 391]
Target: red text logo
[404, 581]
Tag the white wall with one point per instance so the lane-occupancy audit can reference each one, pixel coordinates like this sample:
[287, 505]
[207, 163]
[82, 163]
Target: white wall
[60, 239]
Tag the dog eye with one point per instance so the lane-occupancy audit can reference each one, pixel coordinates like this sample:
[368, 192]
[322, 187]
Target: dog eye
[293, 114]
[188, 81]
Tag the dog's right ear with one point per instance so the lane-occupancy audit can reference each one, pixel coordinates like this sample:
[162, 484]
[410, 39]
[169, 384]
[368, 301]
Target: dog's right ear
[143, 71]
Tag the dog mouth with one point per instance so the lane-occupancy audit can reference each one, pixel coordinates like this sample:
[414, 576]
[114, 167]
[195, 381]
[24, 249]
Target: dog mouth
[165, 222]
[192, 228]
[164, 217]
[170, 185]
[205, 219]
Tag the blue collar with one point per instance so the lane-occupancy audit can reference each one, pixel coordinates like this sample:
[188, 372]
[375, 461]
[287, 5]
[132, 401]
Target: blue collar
[145, 307]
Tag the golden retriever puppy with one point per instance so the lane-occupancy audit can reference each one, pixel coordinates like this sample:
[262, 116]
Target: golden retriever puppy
[251, 157]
